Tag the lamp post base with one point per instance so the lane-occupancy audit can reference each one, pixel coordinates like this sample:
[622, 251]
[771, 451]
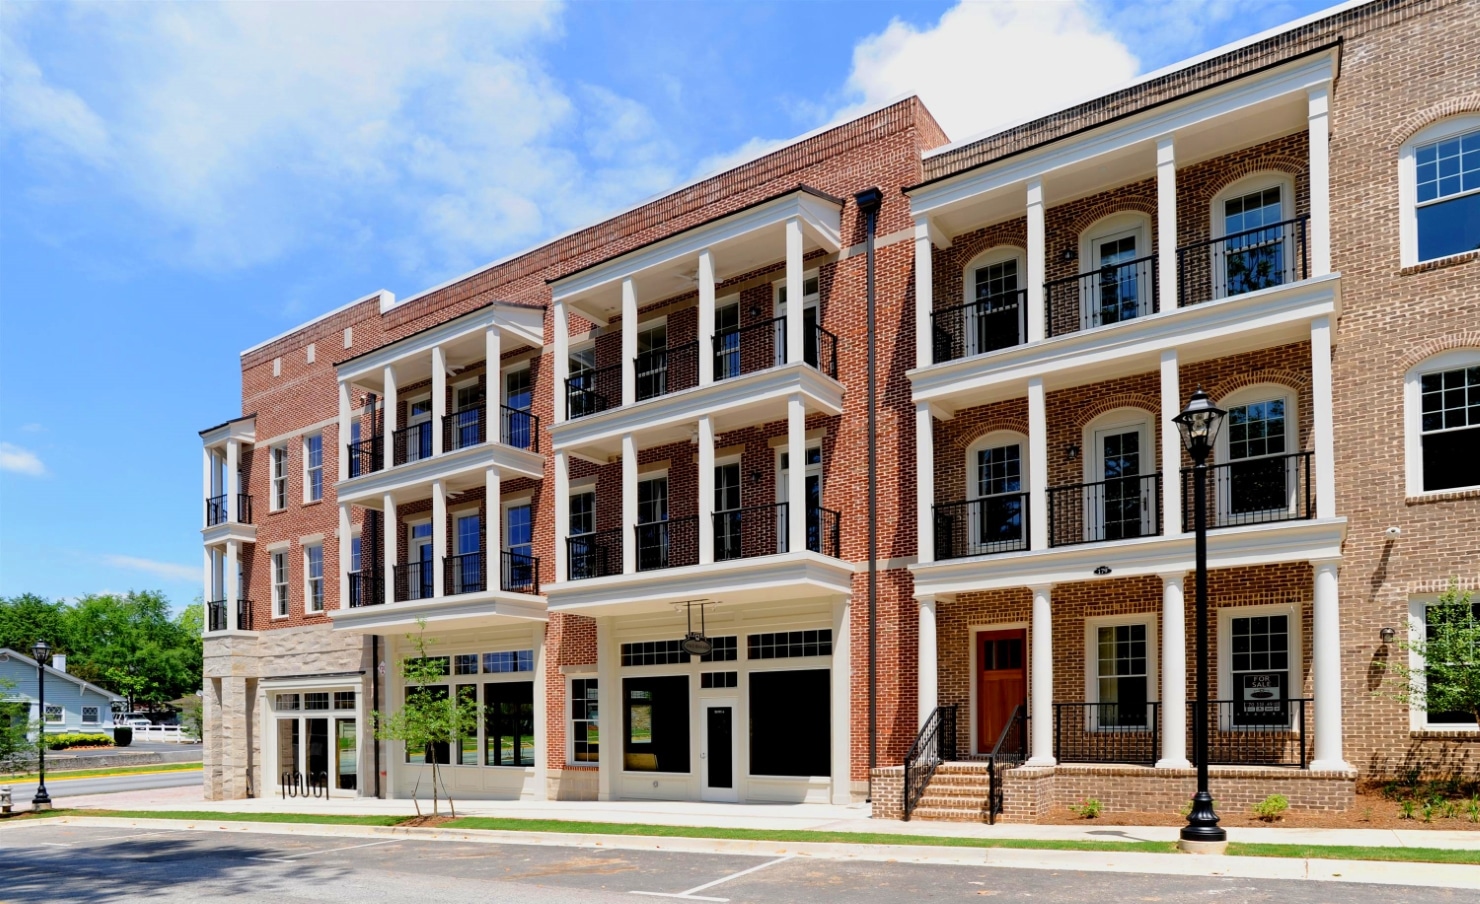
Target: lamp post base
[39, 805]
[1202, 828]
[1202, 847]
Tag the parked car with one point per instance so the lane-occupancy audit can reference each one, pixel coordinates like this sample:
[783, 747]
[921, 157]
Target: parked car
[132, 721]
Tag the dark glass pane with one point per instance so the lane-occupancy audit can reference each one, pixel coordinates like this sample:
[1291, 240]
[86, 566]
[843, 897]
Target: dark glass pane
[1450, 459]
[1449, 227]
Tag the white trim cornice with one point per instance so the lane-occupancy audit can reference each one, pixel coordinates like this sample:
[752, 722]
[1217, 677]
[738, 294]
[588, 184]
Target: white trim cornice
[525, 322]
[469, 460]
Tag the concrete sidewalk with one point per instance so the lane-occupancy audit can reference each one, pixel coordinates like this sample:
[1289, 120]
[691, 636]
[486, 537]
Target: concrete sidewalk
[813, 817]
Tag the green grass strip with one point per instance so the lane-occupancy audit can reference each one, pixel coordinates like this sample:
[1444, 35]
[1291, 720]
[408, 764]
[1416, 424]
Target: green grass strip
[327, 819]
[1356, 852]
[105, 771]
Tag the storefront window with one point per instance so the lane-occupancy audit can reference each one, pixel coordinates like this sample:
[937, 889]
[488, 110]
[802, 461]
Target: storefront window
[656, 724]
[790, 723]
[508, 718]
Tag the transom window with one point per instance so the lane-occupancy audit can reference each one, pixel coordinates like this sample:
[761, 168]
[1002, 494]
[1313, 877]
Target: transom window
[1450, 428]
[1447, 184]
[786, 644]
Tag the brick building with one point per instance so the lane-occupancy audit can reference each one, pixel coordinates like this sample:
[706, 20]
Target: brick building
[673, 411]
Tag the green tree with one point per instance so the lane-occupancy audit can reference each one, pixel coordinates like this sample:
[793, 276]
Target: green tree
[16, 746]
[28, 618]
[431, 717]
[132, 645]
[1448, 643]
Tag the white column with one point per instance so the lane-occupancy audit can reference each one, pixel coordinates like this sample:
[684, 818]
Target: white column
[1171, 446]
[207, 480]
[629, 342]
[706, 488]
[1037, 464]
[796, 474]
[493, 526]
[1326, 668]
[346, 553]
[228, 580]
[562, 514]
[392, 541]
[493, 390]
[439, 535]
[439, 396]
[541, 716]
[927, 659]
[1037, 250]
[925, 482]
[562, 357]
[346, 419]
[608, 714]
[795, 340]
[1173, 673]
[842, 706]
[1323, 429]
[233, 479]
[1041, 701]
[208, 578]
[629, 505]
[392, 409]
[1319, 122]
[706, 318]
[1166, 222]
[924, 293]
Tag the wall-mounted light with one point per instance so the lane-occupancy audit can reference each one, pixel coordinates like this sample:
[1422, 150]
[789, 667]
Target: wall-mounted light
[755, 311]
[1388, 635]
[1069, 254]
[1072, 451]
[755, 476]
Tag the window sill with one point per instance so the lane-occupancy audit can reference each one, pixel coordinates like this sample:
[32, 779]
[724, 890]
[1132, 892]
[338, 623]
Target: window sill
[309, 502]
[1440, 263]
[1457, 733]
[1443, 496]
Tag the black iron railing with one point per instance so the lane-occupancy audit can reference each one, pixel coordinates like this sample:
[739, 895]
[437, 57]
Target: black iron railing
[464, 574]
[593, 391]
[823, 532]
[243, 615]
[216, 511]
[413, 581]
[983, 526]
[1106, 732]
[985, 325]
[594, 555]
[216, 615]
[412, 443]
[366, 588]
[464, 428]
[1254, 491]
[366, 456]
[1122, 508]
[1101, 297]
[1256, 730]
[935, 743]
[661, 371]
[1010, 750]
[747, 349]
[667, 544]
[821, 351]
[243, 508]
[521, 572]
[521, 429]
[758, 530]
[1247, 261]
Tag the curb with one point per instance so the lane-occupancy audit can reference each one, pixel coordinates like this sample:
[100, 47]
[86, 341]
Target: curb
[1434, 875]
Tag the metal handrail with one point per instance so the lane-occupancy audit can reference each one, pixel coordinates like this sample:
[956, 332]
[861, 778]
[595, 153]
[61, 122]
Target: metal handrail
[935, 743]
[1010, 750]
[672, 543]
[666, 370]
[1254, 491]
[1121, 508]
[756, 530]
[521, 572]
[366, 588]
[1107, 732]
[463, 574]
[1251, 732]
[1260, 258]
[216, 615]
[243, 508]
[413, 436]
[985, 526]
[750, 348]
[366, 456]
[521, 428]
[827, 351]
[593, 391]
[216, 510]
[1101, 297]
[413, 581]
[464, 428]
[987, 324]
[594, 555]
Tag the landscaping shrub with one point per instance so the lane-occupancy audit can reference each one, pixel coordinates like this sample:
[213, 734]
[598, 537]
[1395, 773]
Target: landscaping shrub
[1272, 807]
[77, 739]
[123, 736]
[1089, 809]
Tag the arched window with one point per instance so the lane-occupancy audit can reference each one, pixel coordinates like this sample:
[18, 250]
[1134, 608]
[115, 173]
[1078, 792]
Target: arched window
[1118, 270]
[994, 306]
[1259, 247]
[1119, 498]
[1442, 421]
[1439, 190]
[1260, 473]
[994, 519]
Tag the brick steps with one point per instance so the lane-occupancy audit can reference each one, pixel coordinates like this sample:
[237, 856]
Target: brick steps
[958, 792]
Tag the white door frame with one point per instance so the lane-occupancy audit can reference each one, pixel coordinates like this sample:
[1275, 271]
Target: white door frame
[732, 793]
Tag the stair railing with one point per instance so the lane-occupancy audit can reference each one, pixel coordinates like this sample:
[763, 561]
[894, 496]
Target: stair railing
[935, 743]
[1011, 749]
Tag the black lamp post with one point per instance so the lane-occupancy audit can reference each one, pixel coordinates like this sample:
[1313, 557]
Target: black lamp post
[41, 652]
[1199, 423]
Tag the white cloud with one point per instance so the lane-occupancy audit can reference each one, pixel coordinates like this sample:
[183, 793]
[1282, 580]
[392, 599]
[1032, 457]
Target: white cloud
[987, 65]
[430, 132]
[168, 570]
[20, 461]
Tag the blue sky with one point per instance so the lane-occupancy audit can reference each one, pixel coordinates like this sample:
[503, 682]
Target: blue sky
[180, 182]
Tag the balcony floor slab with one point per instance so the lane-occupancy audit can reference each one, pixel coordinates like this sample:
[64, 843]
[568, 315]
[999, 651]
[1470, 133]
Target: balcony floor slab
[759, 579]
[462, 611]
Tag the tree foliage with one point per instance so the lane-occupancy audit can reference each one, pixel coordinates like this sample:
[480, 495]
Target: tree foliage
[16, 747]
[1448, 645]
[130, 644]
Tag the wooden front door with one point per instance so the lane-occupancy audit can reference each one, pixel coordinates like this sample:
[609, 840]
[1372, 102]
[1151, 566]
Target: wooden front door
[1001, 682]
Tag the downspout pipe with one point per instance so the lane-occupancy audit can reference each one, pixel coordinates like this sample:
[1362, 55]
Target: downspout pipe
[868, 201]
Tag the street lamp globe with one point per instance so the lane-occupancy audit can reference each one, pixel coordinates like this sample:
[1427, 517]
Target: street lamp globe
[41, 652]
[1199, 423]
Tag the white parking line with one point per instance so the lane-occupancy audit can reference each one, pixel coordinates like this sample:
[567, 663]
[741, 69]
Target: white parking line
[291, 857]
[690, 894]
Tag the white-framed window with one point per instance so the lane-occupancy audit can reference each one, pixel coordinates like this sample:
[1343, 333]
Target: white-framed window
[582, 511]
[1117, 273]
[1439, 190]
[1418, 627]
[313, 577]
[816, 523]
[1260, 444]
[996, 512]
[90, 716]
[280, 584]
[1120, 671]
[313, 467]
[994, 290]
[1259, 666]
[1442, 423]
[585, 730]
[54, 714]
[811, 347]
[1119, 496]
[1259, 247]
[279, 478]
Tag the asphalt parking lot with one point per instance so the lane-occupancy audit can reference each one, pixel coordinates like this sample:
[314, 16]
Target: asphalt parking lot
[42, 861]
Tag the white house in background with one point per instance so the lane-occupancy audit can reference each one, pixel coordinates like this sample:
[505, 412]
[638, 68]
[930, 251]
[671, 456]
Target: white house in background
[71, 703]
